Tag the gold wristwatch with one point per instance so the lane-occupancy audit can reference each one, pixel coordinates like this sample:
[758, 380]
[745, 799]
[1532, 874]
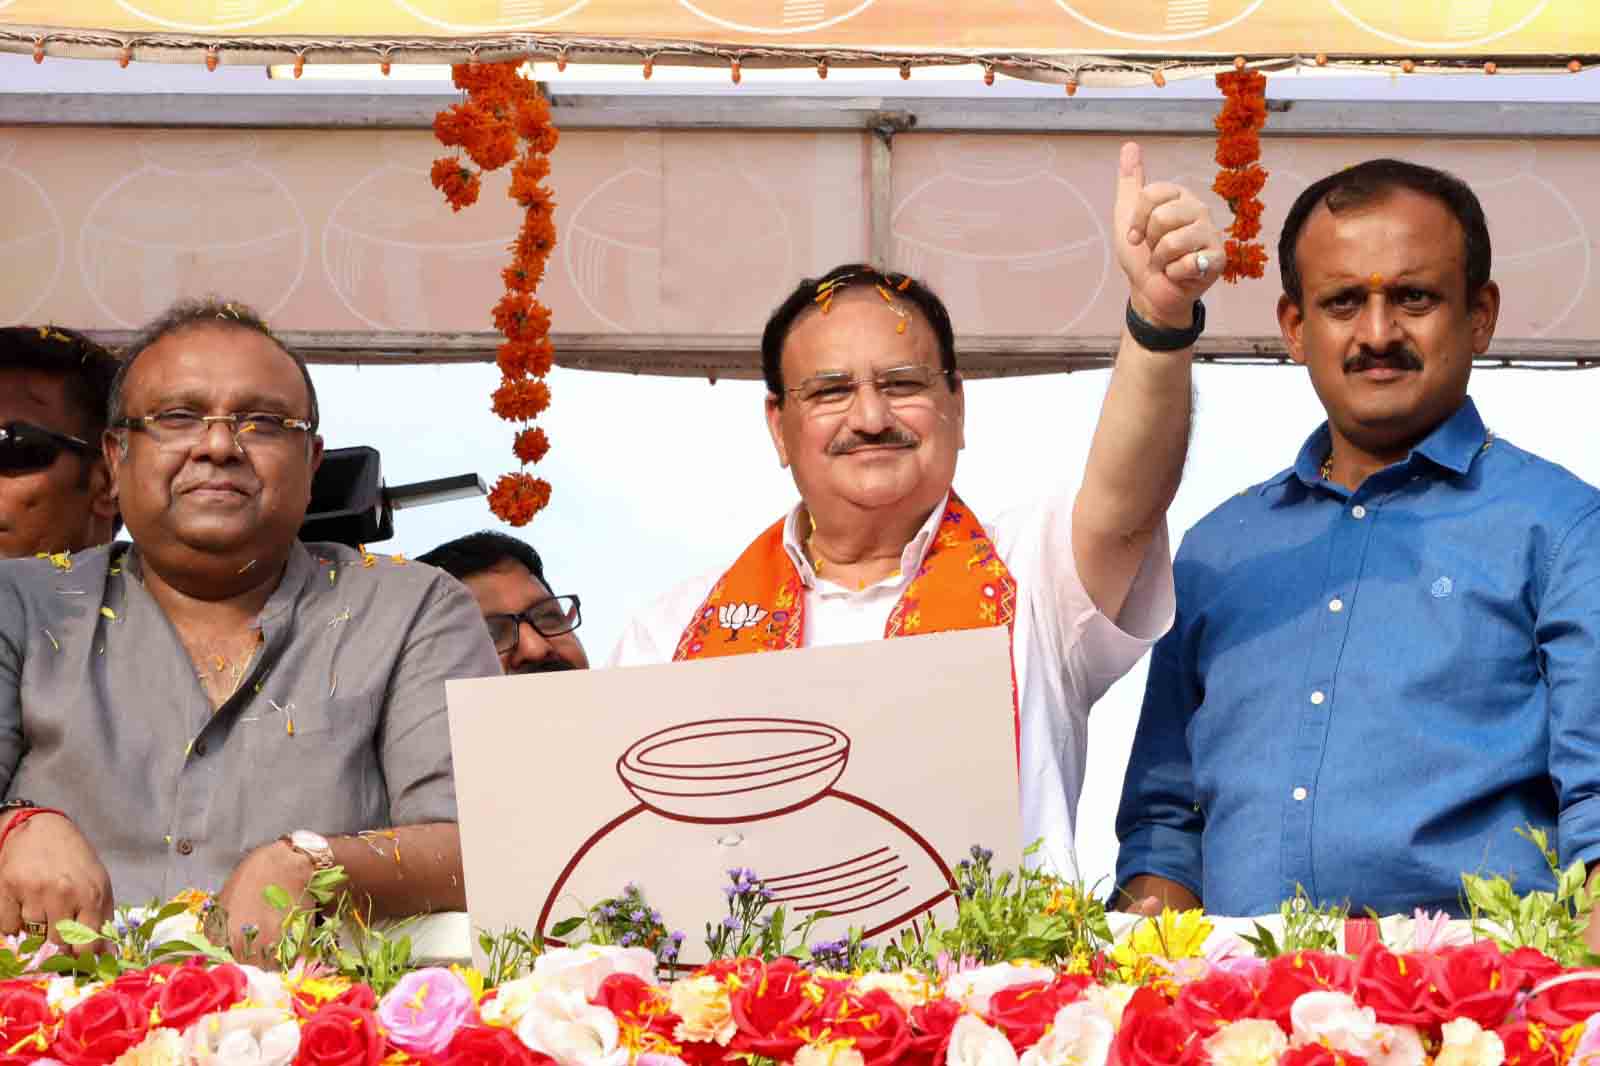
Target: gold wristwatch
[313, 846]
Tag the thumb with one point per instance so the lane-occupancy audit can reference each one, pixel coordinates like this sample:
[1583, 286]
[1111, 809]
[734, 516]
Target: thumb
[1130, 183]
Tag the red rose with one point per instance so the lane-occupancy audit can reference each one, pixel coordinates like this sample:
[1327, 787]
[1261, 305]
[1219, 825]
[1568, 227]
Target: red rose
[1217, 998]
[1530, 1045]
[1474, 982]
[480, 1045]
[1395, 986]
[876, 1025]
[767, 1006]
[338, 1035]
[1154, 1034]
[1023, 1012]
[192, 991]
[931, 1024]
[1319, 1055]
[24, 1010]
[144, 985]
[100, 1028]
[1565, 1004]
[361, 997]
[1536, 966]
[1290, 976]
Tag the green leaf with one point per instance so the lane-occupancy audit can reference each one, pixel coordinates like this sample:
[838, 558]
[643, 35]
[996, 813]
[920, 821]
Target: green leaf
[277, 898]
[562, 928]
[76, 933]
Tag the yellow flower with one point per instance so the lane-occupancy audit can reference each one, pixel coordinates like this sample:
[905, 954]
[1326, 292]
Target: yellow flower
[193, 899]
[1174, 935]
[163, 1047]
[471, 978]
[702, 1003]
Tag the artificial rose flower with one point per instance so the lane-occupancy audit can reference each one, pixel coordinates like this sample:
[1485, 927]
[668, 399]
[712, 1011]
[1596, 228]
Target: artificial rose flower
[100, 1028]
[1466, 1043]
[973, 1043]
[1079, 1035]
[1587, 1051]
[144, 985]
[973, 988]
[907, 988]
[264, 989]
[1317, 1055]
[423, 1011]
[1476, 982]
[24, 1011]
[833, 1054]
[478, 1045]
[1564, 1003]
[702, 1005]
[192, 991]
[564, 1025]
[873, 1023]
[1423, 932]
[1155, 1034]
[317, 994]
[1290, 976]
[931, 1026]
[340, 1035]
[509, 1002]
[1333, 1020]
[1535, 965]
[249, 1036]
[1250, 1042]
[1112, 1000]
[1023, 1012]
[1395, 986]
[1530, 1044]
[63, 993]
[1216, 999]
[160, 1047]
[768, 1008]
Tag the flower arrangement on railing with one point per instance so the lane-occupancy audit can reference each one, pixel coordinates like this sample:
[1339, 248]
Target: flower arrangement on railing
[1027, 975]
[1241, 178]
[506, 119]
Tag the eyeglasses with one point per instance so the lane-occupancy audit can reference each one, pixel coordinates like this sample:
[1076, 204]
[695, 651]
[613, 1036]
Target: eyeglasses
[901, 386]
[549, 618]
[25, 447]
[184, 429]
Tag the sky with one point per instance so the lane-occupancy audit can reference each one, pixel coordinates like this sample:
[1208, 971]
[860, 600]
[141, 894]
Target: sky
[656, 479]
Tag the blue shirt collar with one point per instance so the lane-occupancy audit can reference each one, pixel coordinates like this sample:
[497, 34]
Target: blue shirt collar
[1452, 445]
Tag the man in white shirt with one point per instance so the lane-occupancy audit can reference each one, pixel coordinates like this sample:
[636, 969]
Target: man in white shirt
[865, 407]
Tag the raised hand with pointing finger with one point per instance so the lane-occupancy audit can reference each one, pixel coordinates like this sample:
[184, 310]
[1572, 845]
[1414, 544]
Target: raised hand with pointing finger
[1166, 244]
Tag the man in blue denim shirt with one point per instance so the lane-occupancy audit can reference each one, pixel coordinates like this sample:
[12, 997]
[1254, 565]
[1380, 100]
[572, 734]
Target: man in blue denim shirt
[1386, 658]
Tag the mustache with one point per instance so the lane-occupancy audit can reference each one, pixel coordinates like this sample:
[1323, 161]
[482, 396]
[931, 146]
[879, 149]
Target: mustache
[1397, 356]
[893, 437]
[544, 666]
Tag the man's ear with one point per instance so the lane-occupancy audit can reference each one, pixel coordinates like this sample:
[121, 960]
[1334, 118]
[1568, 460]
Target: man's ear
[111, 451]
[961, 412]
[1485, 314]
[102, 490]
[1291, 323]
[775, 427]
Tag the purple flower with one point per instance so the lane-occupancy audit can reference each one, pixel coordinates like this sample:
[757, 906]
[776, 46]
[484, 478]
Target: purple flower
[627, 938]
[425, 1009]
[730, 922]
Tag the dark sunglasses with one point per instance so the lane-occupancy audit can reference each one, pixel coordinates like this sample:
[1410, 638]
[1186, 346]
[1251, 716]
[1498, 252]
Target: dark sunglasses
[25, 447]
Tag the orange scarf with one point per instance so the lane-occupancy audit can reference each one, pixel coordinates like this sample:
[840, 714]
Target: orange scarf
[759, 604]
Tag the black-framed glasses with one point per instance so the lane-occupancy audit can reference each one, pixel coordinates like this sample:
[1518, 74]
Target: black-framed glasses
[183, 429]
[549, 618]
[899, 385]
[26, 448]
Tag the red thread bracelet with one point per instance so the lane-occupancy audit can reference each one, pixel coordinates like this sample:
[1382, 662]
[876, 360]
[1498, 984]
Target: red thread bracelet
[23, 817]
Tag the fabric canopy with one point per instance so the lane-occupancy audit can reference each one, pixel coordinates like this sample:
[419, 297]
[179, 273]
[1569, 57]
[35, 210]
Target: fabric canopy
[1009, 33]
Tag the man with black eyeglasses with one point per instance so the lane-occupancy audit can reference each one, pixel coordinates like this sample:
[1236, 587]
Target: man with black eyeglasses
[533, 629]
[55, 488]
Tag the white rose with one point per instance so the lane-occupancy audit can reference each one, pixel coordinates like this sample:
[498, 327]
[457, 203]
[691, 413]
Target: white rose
[1111, 1000]
[908, 988]
[1466, 1043]
[265, 989]
[1251, 1042]
[63, 993]
[974, 988]
[511, 1001]
[253, 1036]
[974, 1043]
[586, 966]
[181, 926]
[561, 1023]
[836, 1055]
[161, 1047]
[1333, 1019]
[1079, 1035]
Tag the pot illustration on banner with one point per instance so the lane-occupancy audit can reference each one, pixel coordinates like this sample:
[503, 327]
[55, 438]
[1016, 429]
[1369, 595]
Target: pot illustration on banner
[759, 793]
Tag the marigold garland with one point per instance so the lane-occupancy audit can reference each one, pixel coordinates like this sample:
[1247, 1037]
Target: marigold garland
[505, 120]
[1241, 179]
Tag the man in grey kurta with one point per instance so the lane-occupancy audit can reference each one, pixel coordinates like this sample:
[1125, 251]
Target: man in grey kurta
[338, 723]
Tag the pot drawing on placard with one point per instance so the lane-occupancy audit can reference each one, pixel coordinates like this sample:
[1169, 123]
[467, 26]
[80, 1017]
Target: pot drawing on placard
[760, 793]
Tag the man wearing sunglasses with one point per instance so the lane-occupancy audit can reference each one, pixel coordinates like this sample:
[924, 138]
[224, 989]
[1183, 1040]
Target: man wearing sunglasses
[866, 408]
[533, 629]
[217, 705]
[55, 488]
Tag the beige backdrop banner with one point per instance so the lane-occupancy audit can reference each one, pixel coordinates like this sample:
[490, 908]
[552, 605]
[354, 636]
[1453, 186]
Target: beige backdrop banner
[1415, 28]
[688, 232]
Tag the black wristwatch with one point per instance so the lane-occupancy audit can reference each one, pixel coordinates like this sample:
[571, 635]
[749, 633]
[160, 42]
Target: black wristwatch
[1154, 338]
[18, 804]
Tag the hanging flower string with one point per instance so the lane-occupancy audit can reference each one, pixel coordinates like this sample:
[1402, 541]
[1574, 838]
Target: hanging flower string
[1241, 178]
[505, 119]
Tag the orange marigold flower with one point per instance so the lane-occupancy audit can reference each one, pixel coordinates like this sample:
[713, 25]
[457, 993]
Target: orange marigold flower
[518, 497]
[529, 358]
[531, 445]
[1246, 219]
[459, 185]
[492, 146]
[523, 276]
[520, 317]
[1242, 83]
[483, 77]
[1238, 149]
[519, 401]
[1241, 184]
[535, 239]
[1244, 260]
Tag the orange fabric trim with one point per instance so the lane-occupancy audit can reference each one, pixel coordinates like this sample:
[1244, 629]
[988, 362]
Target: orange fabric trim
[759, 604]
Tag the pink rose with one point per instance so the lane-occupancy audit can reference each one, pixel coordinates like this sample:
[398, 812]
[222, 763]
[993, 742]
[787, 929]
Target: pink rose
[422, 1013]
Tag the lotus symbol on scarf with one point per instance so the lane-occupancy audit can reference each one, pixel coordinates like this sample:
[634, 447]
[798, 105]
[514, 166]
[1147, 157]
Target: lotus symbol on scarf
[736, 616]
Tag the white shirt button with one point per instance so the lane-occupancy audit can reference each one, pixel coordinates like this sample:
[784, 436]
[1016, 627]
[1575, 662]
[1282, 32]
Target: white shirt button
[1336, 605]
[1317, 697]
[1358, 511]
[1299, 793]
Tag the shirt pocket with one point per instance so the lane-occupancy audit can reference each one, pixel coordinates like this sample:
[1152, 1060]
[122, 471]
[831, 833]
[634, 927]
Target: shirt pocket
[318, 757]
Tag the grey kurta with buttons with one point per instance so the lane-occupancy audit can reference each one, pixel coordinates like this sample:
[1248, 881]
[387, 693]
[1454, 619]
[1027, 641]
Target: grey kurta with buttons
[338, 723]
